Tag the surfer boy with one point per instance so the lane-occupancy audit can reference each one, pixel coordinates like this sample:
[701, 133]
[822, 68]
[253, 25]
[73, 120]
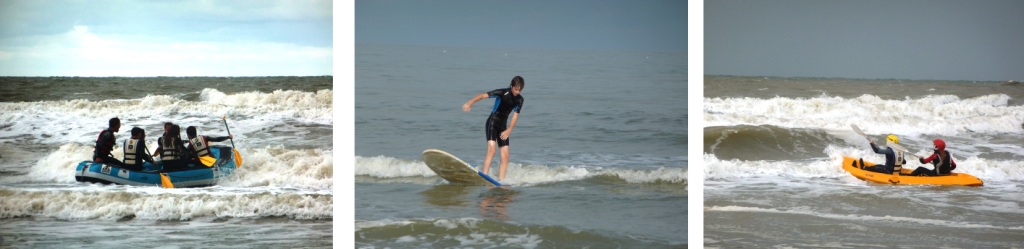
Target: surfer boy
[506, 101]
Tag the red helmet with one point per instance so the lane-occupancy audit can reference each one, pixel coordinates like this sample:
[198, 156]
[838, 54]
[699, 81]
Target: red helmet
[939, 144]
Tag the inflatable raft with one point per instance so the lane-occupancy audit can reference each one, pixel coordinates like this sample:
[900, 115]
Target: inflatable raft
[188, 177]
[853, 166]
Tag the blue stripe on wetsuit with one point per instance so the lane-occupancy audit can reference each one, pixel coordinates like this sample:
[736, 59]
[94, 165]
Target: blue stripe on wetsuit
[497, 102]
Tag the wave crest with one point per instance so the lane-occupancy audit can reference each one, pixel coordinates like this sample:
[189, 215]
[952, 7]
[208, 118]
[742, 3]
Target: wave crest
[932, 114]
[519, 174]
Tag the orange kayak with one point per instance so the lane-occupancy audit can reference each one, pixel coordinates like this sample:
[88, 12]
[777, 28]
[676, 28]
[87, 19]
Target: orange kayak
[851, 165]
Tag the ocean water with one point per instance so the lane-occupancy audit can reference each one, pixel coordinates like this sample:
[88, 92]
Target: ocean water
[280, 197]
[773, 149]
[597, 159]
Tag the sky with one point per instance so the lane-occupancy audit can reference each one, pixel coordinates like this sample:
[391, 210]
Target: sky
[645, 25]
[916, 40]
[165, 38]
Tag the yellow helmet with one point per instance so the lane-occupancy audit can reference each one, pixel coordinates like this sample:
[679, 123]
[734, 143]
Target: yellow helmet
[893, 138]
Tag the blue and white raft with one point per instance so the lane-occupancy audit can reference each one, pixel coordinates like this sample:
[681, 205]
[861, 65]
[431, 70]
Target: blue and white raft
[195, 175]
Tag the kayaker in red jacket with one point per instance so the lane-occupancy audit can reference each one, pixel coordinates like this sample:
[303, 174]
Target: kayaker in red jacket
[941, 160]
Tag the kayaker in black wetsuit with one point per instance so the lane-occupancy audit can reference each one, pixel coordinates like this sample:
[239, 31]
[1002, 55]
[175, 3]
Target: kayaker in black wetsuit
[506, 101]
[200, 145]
[941, 161]
[105, 144]
[893, 159]
[135, 150]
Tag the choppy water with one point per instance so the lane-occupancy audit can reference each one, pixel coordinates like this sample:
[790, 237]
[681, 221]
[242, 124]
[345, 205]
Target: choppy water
[773, 149]
[281, 196]
[597, 157]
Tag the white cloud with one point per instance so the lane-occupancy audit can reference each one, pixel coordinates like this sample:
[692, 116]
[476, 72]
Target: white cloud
[79, 52]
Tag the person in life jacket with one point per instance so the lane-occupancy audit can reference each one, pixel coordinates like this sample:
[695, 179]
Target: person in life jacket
[172, 151]
[893, 159]
[941, 161]
[167, 128]
[199, 146]
[105, 144]
[135, 154]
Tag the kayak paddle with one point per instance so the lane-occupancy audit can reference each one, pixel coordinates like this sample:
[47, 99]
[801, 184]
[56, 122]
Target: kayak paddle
[859, 132]
[900, 148]
[238, 156]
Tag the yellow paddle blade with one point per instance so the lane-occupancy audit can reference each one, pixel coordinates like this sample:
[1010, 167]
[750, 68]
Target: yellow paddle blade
[238, 159]
[165, 180]
[207, 160]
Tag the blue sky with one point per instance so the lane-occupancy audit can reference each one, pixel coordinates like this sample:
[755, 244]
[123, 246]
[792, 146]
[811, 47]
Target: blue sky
[165, 38]
[647, 25]
[916, 39]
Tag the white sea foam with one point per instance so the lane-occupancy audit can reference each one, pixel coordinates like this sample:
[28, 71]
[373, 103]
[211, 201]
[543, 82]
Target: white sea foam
[59, 122]
[278, 98]
[280, 167]
[856, 217]
[520, 174]
[933, 114]
[739, 169]
[163, 205]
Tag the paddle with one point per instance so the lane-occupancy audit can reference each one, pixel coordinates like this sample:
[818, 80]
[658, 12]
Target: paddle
[165, 180]
[207, 161]
[238, 157]
[859, 132]
[900, 148]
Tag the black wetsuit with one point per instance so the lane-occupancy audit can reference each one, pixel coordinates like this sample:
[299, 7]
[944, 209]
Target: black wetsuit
[504, 104]
[104, 145]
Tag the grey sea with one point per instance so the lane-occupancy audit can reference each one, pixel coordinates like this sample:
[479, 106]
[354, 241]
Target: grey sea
[280, 197]
[597, 159]
[773, 150]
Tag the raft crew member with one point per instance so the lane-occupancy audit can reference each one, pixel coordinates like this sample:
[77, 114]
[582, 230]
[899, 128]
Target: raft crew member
[167, 128]
[135, 151]
[893, 159]
[105, 144]
[941, 160]
[172, 151]
[200, 145]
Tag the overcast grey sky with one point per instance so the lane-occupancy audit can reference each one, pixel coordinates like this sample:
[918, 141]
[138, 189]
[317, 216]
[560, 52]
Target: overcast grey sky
[938, 40]
[651, 25]
[165, 38]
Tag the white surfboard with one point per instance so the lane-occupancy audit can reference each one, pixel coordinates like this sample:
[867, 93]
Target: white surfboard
[454, 170]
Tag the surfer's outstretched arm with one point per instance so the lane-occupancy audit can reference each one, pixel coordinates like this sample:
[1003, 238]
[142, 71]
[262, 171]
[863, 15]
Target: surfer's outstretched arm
[469, 104]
